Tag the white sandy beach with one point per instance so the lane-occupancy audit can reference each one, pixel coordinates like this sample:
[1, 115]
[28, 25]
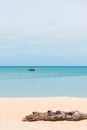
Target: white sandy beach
[13, 110]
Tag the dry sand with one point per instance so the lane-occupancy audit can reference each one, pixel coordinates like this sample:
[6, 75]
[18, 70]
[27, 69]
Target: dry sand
[13, 110]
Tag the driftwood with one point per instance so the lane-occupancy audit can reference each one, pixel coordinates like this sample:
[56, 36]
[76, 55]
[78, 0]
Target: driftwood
[56, 116]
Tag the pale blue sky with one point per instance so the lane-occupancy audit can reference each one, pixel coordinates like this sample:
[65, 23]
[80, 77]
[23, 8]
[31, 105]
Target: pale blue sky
[48, 32]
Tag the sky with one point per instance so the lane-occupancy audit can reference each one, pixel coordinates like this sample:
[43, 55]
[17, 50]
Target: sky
[48, 32]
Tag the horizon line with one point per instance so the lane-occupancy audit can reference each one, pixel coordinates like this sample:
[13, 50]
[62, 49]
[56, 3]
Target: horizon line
[43, 65]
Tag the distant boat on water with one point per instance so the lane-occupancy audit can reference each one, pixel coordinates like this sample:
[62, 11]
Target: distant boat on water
[31, 69]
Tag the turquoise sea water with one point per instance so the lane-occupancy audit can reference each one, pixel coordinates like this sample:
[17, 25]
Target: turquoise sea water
[16, 81]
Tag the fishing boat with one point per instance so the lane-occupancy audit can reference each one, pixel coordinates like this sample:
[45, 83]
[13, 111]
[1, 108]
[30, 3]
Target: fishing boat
[31, 69]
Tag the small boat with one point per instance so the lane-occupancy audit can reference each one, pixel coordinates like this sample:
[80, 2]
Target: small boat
[31, 69]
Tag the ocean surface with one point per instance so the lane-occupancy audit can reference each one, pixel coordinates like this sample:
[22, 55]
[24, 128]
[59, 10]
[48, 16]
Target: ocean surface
[17, 81]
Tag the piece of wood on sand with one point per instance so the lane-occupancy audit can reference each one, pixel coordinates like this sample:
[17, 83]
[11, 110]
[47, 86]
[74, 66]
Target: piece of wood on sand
[56, 116]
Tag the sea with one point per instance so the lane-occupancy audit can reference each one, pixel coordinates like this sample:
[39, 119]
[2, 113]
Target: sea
[45, 81]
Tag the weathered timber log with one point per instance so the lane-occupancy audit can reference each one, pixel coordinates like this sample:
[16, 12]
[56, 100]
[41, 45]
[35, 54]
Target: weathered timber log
[56, 116]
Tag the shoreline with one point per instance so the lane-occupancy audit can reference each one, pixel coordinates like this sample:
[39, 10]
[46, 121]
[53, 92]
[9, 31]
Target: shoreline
[43, 97]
